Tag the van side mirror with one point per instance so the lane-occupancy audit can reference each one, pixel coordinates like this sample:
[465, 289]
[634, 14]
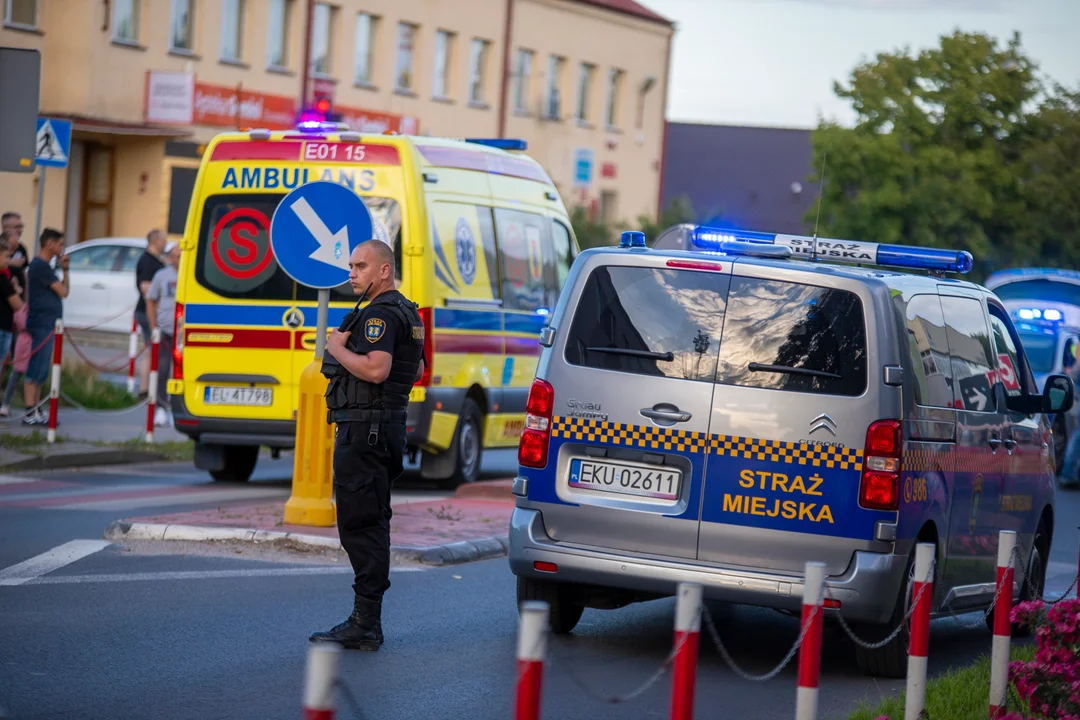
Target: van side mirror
[1057, 394]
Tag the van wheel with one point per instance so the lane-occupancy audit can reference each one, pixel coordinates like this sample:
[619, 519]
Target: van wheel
[461, 463]
[239, 463]
[564, 612]
[889, 661]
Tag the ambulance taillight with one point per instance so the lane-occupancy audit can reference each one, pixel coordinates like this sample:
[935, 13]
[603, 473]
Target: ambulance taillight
[178, 343]
[427, 316]
[533, 445]
[879, 488]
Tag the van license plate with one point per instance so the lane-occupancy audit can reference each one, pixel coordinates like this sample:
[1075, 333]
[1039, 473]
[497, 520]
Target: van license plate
[261, 397]
[625, 479]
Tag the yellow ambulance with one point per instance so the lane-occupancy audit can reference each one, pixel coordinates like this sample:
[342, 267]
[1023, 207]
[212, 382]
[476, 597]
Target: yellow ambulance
[482, 243]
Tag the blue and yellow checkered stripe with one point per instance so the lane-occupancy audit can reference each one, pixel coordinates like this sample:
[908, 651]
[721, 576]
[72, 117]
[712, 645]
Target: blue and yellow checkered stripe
[650, 438]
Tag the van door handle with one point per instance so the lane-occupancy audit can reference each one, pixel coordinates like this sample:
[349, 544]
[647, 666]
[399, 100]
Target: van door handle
[994, 443]
[97, 286]
[674, 415]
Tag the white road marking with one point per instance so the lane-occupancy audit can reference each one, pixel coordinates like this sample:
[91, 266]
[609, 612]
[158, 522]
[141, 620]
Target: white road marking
[54, 559]
[199, 575]
[16, 479]
[194, 498]
[78, 492]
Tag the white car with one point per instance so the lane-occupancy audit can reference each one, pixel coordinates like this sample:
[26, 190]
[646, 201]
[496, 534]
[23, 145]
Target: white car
[102, 289]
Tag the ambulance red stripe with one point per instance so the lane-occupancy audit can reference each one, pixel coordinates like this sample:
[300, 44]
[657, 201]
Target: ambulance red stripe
[257, 150]
[241, 338]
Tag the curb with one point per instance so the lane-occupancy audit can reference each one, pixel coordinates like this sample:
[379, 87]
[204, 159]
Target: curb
[81, 459]
[437, 555]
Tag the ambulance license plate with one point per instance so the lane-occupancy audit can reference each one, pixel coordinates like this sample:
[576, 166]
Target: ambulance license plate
[257, 396]
[623, 479]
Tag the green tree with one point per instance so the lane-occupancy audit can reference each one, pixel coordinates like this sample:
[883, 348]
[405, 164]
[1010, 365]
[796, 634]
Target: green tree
[678, 211]
[937, 154]
[591, 233]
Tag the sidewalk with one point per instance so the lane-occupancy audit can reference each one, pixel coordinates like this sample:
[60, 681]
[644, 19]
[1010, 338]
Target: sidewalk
[472, 525]
[85, 437]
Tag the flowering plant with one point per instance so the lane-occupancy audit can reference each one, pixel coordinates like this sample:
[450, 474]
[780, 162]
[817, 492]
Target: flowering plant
[1049, 685]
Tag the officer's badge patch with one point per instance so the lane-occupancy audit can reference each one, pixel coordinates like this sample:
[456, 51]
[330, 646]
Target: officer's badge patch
[374, 329]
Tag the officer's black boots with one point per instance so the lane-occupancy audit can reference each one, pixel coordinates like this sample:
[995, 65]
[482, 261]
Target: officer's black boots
[361, 631]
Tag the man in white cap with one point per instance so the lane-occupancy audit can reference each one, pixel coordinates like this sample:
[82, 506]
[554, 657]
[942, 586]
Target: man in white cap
[160, 309]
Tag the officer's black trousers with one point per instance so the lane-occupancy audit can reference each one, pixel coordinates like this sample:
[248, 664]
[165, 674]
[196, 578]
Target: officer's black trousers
[363, 476]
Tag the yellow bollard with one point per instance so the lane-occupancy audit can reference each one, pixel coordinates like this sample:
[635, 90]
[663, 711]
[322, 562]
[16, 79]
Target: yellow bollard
[311, 502]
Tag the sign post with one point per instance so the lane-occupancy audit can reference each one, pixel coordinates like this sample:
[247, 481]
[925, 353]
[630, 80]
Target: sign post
[313, 232]
[51, 149]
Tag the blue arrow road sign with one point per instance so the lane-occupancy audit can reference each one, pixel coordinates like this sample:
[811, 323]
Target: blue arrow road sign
[53, 146]
[315, 229]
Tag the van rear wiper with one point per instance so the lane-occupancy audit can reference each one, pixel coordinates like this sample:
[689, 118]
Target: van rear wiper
[647, 354]
[761, 367]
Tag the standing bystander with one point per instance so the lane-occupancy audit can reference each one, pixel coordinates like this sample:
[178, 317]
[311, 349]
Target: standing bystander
[147, 266]
[46, 295]
[10, 301]
[160, 308]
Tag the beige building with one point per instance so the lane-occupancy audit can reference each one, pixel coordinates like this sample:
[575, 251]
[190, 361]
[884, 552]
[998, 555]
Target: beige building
[147, 83]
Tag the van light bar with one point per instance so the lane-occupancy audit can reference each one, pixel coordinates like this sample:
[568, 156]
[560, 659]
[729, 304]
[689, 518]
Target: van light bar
[500, 143]
[846, 251]
[1050, 314]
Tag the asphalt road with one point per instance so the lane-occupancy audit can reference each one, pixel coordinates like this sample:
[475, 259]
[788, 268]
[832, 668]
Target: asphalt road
[129, 632]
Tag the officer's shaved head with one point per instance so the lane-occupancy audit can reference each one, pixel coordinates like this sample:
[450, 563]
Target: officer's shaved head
[372, 262]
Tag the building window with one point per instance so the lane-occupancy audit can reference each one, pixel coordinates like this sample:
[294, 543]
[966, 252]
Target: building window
[615, 81]
[125, 20]
[444, 50]
[182, 27]
[406, 49]
[478, 53]
[607, 206]
[277, 46]
[522, 74]
[584, 90]
[321, 56]
[554, 87]
[232, 29]
[21, 12]
[365, 48]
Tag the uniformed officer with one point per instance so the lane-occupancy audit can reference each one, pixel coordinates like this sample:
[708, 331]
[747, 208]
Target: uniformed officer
[367, 397]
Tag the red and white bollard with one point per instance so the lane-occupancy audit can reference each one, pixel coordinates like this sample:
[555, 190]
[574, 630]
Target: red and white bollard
[919, 646]
[151, 391]
[321, 676]
[813, 612]
[687, 633]
[54, 390]
[532, 646]
[999, 658]
[133, 342]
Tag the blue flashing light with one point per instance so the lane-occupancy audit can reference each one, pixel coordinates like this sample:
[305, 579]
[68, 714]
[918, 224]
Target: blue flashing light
[1051, 315]
[632, 239]
[500, 143]
[738, 242]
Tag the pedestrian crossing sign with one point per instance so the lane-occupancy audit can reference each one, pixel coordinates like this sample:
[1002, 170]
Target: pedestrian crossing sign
[53, 144]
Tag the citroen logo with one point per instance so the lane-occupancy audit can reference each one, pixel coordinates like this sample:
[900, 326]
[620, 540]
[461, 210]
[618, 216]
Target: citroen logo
[823, 422]
[294, 318]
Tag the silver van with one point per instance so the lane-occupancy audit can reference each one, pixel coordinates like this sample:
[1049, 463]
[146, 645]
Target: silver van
[726, 406]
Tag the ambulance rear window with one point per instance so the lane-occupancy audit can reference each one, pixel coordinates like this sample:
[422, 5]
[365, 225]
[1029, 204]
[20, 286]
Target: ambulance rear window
[234, 257]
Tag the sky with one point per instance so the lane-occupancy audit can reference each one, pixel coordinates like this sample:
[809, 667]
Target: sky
[773, 62]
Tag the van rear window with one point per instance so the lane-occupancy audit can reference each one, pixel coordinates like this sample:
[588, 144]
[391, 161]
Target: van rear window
[234, 257]
[799, 338]
[649, 322]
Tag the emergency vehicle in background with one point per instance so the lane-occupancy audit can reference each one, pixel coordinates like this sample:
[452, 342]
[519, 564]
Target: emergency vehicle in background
[482, 243]
[1045, 305]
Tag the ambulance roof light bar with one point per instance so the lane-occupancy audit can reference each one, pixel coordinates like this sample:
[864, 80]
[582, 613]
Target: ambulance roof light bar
[500, 143]
[844, 251]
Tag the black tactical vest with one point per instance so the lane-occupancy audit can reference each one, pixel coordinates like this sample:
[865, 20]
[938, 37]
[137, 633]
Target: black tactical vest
[350, 399]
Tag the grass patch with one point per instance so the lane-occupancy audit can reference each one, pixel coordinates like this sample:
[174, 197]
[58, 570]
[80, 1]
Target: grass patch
[83, 385]
[28, 443]
[175, 450]
[962, 694]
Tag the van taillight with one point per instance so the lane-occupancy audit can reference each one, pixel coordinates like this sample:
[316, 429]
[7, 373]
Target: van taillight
[427, 316]
[178, 342]
[533, 445]
[879, 488]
